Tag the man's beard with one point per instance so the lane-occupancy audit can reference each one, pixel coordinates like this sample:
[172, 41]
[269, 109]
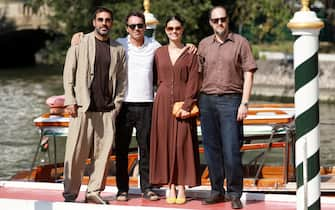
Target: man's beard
[102, 32]
[221, 32]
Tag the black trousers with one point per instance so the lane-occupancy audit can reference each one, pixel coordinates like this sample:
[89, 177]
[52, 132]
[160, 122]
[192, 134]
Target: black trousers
[138, 116]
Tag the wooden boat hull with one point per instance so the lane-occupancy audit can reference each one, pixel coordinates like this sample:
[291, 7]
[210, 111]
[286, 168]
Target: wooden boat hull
[267, 127]
[271, 179]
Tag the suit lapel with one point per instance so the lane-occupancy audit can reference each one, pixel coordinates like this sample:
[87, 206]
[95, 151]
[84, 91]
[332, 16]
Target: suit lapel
[91, 53]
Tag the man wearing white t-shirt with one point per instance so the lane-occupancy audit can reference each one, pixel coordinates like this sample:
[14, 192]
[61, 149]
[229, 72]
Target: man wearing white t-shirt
[137, 106]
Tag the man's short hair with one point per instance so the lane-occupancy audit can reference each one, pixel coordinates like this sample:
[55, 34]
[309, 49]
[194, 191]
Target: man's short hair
[102, 9]
[136, 14]
[215, 7]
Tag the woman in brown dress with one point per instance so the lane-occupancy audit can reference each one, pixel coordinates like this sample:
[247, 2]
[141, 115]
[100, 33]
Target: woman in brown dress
[174, 155]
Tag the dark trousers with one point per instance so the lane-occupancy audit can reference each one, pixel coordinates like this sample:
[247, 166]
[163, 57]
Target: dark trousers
[138, 116]
[222, 137]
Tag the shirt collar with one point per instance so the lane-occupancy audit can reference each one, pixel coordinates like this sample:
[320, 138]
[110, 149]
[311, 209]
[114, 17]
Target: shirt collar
[146, 41]
[230, 37]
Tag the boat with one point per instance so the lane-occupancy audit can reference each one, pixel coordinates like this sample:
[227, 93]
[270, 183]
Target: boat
[268, 128]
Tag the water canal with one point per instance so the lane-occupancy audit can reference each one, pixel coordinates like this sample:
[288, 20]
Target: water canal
[22, 98]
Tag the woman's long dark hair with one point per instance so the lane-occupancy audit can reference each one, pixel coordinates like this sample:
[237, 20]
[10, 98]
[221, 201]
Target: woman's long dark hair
[175, 17]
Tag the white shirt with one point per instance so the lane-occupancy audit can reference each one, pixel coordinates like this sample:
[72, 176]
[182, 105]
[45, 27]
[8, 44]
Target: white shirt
[140, 64]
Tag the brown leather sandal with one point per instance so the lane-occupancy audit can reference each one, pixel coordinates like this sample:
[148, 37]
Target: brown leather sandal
[122, 196]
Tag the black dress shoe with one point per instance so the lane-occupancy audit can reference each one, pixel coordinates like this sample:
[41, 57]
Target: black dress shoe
[236, 203]
[69, 197]
[214, 199]
[95, 198]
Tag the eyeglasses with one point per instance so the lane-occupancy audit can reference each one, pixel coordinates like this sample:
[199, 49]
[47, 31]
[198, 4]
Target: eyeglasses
[107, 20]
[178, 28]
[133, 26]
[221, 19]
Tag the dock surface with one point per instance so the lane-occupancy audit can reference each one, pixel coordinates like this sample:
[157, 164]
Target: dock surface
[48, 196]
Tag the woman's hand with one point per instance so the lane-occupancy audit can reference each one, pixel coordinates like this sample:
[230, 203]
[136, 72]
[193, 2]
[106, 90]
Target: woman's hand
[183, 114]
[191, 48]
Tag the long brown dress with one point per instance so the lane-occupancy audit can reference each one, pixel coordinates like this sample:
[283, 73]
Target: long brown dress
[174, 155]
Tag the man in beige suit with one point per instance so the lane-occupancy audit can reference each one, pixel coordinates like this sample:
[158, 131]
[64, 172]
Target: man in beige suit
[94, 83]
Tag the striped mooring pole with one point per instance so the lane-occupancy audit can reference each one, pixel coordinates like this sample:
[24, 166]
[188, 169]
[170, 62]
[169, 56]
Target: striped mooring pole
[306, 27]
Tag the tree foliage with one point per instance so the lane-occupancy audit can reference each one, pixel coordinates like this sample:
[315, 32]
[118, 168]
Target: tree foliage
[189, 10]
[259, 20]
[66, 17]
[263, 20]
[325, 10]
[70, 16]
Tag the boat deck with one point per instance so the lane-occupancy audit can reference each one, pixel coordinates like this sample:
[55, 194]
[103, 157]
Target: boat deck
[268, 127]
[48, 196]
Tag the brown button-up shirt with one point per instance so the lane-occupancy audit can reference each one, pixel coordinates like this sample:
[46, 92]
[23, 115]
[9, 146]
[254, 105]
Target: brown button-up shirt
[223, 64]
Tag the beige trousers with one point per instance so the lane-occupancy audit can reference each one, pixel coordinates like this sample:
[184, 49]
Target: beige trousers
[89, 129]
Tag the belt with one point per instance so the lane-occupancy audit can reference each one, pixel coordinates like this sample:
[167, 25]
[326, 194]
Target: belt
[137, 103]
[222, 94]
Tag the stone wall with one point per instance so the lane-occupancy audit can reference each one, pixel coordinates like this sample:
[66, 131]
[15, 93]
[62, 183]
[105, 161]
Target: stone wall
[23, 15]
[276, 78]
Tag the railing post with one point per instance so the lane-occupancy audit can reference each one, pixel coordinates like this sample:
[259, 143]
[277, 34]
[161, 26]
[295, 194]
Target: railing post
[150, 20]
[306, 27]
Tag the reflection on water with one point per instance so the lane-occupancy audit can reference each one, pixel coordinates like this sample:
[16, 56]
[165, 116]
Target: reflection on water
[327, 134]
[22, 98]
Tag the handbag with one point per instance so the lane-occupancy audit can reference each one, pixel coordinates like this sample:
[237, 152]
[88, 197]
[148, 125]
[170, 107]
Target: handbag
[177, 106]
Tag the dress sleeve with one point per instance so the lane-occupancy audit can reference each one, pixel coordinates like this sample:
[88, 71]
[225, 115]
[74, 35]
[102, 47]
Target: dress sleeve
[154, 73]
[156, 78]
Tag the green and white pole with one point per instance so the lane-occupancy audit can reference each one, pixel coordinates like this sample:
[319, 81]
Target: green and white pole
[306, 27]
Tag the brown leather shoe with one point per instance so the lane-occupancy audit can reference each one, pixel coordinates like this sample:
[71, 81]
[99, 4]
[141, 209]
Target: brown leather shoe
[95, 198]
[236, 203]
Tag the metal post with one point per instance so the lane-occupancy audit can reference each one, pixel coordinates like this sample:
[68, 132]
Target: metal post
[306, 27]
[150, 20]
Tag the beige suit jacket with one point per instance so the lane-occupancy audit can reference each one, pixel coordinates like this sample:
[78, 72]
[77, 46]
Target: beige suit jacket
[79, 73]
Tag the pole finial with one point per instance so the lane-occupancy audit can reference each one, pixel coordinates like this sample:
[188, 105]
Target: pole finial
[305, 5]
[146, 5]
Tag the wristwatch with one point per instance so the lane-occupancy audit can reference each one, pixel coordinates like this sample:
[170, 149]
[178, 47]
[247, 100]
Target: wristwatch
[245, 104]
